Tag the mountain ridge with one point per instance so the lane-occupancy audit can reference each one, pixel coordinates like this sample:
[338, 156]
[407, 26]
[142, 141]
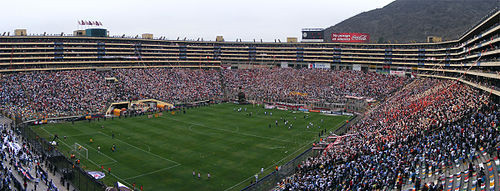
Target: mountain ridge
[404, 21]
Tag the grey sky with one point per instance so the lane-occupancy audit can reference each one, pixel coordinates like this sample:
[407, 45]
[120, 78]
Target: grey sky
[248, 20]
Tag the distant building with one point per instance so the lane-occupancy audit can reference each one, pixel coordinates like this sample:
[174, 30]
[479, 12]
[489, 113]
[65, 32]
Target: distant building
[291, 39]
[434, 39]
[147, 36]
[219, 39]
[20, 32]
[96, 32]
[79, 33]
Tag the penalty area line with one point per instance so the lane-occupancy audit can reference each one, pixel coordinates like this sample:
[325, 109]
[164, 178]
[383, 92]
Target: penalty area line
[91, 161]
[152, 172]
[270, 166]
[142, 149]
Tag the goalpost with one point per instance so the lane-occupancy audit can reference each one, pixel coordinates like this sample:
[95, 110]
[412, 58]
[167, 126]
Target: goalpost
[81, 150]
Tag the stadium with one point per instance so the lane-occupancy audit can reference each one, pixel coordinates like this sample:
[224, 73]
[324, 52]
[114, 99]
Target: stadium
[89, 111]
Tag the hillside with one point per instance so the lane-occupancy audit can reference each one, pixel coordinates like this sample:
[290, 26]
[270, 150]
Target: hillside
[414, 20]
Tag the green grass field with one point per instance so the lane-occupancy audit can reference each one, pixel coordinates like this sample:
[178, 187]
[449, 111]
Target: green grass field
[161, 153]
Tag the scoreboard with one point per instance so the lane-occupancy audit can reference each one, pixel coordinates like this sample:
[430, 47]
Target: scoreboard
[313, 35]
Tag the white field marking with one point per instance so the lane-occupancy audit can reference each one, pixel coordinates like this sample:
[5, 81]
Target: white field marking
[101, 153]
[276, 147]
[246, 134]
[108, 163]
[130, 185]
[114, 161]
[269, 166]
[142, 149]
[177, 164]
[91, 160]
[83, 134]
[275, 163]
[190, 127]
[111, 174]
[237, 129]
[152, 172]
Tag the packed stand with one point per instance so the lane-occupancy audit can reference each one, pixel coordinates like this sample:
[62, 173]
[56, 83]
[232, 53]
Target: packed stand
[48, 94]
[428, 124]
[300, 85]
[20, 167]
[169, 85]
[38, 95]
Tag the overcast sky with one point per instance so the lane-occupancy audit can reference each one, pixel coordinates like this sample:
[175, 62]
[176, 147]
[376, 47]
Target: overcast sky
[247, 20]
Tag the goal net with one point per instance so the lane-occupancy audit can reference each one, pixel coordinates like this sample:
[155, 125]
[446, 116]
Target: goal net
[81, 151]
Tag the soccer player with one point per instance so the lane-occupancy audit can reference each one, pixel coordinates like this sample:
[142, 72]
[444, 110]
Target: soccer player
[208, 175]
[199, 176]
[194, 174]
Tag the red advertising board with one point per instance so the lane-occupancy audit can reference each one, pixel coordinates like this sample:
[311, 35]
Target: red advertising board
[351, 37]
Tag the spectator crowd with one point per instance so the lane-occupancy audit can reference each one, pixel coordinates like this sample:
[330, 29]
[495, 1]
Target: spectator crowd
[429, 124]
[48, 94]
[279, 84]
[422, 124]
[20, 167]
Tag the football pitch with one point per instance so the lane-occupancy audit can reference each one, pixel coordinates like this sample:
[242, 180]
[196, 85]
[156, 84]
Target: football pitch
[162, 153]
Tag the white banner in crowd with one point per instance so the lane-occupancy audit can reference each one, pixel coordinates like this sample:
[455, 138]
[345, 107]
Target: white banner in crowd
[284, 65]
[96, 174]
[319, 65]
[356, 67]
[14, 146]
[269, 106]
[397, 73]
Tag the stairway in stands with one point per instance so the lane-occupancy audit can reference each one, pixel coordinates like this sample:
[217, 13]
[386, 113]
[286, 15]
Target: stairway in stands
[459, 178]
